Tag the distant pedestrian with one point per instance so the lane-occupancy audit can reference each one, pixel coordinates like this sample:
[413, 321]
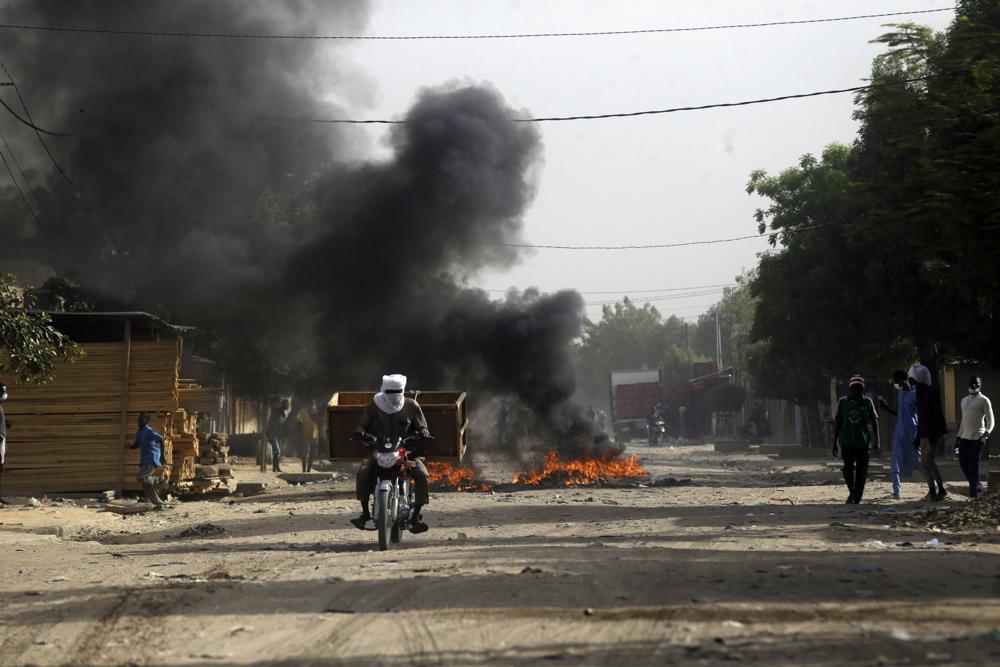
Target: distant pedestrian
[277, 425]
[307, 418]
[931, 427]
[4, 425]
[905, 458]
[151, 462]
[503, 417]
[977, 424]
[855, 431]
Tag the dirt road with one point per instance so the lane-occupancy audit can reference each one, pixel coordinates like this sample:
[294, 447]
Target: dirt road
[758, 561]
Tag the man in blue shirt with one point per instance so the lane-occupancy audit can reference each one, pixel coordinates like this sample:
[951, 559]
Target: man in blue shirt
[150, 446]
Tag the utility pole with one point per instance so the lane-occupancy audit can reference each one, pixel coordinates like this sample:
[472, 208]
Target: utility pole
[718, 341]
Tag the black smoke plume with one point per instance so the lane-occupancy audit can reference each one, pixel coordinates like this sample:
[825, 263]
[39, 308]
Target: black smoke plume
[194, 195]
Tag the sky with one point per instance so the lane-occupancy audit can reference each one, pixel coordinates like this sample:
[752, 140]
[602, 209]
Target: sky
[656, 179]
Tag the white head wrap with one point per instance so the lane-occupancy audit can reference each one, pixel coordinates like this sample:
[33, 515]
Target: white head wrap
[920, 373]
[391, 403]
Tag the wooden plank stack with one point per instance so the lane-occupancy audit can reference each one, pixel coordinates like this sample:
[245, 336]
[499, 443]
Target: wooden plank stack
[213, 458]
[67, 436]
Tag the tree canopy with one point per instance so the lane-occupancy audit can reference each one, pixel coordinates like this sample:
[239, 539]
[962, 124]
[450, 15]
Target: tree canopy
[883, 249]
[29, 344]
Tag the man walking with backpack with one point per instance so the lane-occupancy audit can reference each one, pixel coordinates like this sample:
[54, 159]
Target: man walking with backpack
[855, 430]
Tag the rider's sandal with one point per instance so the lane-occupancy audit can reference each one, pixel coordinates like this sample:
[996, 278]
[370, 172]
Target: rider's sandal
[418, 527]
[359, 522]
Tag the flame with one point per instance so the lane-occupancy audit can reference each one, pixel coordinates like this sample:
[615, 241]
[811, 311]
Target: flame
[452, 475]
[581, 471]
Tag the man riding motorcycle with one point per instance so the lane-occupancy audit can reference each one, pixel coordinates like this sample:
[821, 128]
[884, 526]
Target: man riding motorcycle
[391, 415]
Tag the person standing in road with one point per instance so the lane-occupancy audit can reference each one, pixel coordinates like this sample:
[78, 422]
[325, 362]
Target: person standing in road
[855, 431]
[277, 425]
[4, 425]
[904, 454]
[976, 426]
[308, 435]
[931, 427]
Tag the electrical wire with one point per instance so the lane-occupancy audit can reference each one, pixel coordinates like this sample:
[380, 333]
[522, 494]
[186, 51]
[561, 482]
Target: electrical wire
[597, 33]
[38, 134]
[30, 124]
[651, 246]
[629, 291]
[625, 114]
[38, 221]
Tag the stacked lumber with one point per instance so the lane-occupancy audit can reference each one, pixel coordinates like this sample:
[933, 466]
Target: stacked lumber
[195, 399]
[213, 458]
[69, 435]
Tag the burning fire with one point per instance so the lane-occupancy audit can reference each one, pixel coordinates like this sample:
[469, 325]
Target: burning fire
[460, 478]
[581, 471]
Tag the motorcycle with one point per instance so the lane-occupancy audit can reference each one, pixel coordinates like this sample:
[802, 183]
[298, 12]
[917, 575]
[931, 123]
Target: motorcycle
[394, 495]
[656, 431]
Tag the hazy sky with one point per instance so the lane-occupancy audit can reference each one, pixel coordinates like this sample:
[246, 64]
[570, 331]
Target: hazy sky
[658, 179]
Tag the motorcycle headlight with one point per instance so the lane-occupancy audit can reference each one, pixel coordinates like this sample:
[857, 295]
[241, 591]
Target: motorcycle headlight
[385, 459]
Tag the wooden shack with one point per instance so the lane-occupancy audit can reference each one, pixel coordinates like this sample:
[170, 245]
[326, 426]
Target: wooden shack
[446, 418]
[69, 434]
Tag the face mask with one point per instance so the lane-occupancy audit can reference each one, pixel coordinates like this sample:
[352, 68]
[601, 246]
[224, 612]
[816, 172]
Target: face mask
[395, 400]
[3, 396]
[973, 391]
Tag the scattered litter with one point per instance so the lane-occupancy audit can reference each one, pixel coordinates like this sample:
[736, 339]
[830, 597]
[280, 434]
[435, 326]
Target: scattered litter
[202, 530]
[531, 570]
[875, 544]
[902, 634]
[58, 579]
[931, 543]
[732, 624]
[993, 634]
[905, 544]
[34, 502]
[589, 611]
[860, 570]
[236, 629]
[782, 499]
[937, 656]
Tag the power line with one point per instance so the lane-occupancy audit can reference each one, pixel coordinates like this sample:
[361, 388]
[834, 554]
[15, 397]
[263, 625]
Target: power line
[597, 33]
[30, 124]
[631, 291]
[649, 246]
[38, 134]
[669, 297]
[38, 221]
[626, 114]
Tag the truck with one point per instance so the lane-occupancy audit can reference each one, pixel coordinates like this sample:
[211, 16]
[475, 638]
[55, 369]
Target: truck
[633, 393]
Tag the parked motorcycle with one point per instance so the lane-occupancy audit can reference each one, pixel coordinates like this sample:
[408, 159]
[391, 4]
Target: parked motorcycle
[393, 498]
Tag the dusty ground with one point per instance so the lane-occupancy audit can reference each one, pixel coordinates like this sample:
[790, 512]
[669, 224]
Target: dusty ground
[728, 570]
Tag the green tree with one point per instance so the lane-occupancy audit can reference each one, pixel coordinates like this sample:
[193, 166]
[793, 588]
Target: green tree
[29, 344]
[629, 336]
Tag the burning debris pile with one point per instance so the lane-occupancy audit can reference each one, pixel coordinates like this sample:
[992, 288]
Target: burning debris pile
[585, 471]
[554, 472]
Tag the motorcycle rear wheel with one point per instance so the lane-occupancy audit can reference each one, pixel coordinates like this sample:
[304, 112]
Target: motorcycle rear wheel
[382, 519]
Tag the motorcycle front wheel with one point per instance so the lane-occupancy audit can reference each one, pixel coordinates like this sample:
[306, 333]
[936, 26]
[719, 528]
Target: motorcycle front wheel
[382, 518]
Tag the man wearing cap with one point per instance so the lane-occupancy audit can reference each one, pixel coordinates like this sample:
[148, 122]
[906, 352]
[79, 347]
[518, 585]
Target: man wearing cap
[855, 429]
[931, 426]
[390, 415]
